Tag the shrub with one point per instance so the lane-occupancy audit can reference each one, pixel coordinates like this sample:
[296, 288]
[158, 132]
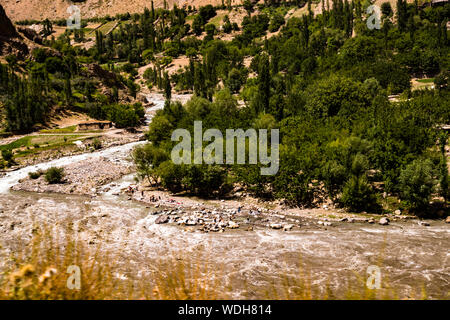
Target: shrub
[147, 55]
[416, 184]
[235, 80]
[333, 175]
[97, 144]
[128, 68]
[11, 59]
[54, 175]
[7, 155]
[35, 175]
[54, 64]
[205, 180]
[171, 175]
[358, 195]
[122, 115]
[40, 54]
[276, 22]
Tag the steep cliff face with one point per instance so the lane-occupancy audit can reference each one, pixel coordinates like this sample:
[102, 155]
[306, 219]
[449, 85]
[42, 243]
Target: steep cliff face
[10, 40]
[7, 29]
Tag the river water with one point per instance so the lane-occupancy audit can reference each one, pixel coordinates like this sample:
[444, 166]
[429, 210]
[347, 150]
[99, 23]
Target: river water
[412, 256]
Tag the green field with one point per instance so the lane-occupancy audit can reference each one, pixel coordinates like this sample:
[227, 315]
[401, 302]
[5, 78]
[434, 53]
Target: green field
[33, 144]
[429, 80]
[60, 130]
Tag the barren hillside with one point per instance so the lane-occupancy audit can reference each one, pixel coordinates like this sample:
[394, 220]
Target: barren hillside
[57, 9]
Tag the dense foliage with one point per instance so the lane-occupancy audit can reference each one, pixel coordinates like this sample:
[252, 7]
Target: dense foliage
[352, 127]
[327, 91]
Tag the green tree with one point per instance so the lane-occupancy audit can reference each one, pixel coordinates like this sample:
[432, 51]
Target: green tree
[443, 169]
[263, 98]
[416, 184]
[160, 129]
[357, 195]
[210, 31]
[197, 25]
[167, 87]
[234, 80]
[147, 158]
[386, 9]
[8, 156]
[248, 6]
[402, 15]
[67, 90]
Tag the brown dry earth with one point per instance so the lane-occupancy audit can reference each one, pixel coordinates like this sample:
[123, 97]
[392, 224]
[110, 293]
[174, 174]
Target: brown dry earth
[57, 9]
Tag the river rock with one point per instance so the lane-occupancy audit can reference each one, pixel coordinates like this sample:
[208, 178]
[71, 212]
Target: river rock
[447, 220]
[327, 224]
[276, 226]
[383, 221]
[191, 222]
[423, 223]
[397, 212]
[371, 221]
[288, 227]
[233, 225]
[162, 219]
[214, 228]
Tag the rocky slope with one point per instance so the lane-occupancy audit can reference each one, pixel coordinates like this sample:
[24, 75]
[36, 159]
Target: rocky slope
[10, 41]
[57, 9]
[6, 27]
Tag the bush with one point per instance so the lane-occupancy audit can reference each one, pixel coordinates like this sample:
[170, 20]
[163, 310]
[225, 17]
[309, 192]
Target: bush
[206, 13]
[35, 175]
[205, 180]
[54, 64]
[54, 175]
[358, 196]
[40, 54]
[171, 175]
[128, 68]
[235, 80]
[97, 144]
[416, 184]
[122, 115]
[7, 155]
[276, 22]
[202, 180]
[333, 175]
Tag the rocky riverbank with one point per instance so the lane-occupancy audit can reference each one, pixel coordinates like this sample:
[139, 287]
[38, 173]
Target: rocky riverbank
[71, 150]
[82, 178]
[246, 213]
